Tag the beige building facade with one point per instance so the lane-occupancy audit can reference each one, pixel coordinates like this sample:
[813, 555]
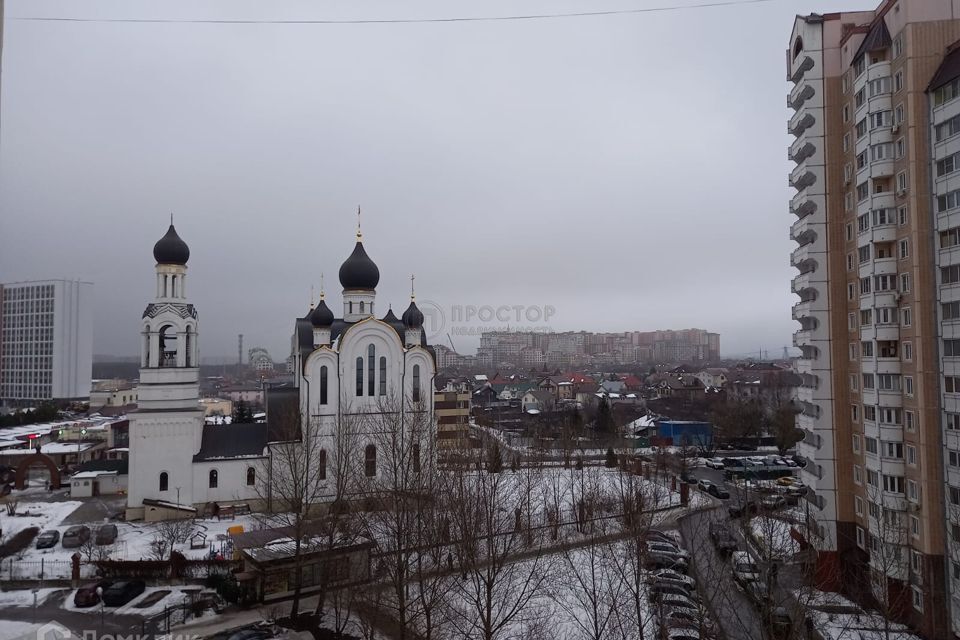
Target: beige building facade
[871, 328]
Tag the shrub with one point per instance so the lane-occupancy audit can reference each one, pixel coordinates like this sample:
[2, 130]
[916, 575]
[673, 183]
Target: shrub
[18, 542]
[611, 459]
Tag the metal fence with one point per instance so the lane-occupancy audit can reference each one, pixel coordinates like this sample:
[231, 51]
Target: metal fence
[13, 569]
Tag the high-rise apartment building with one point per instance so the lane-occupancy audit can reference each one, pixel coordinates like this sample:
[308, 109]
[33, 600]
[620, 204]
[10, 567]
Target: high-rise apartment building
[46, 341]
[872, 140]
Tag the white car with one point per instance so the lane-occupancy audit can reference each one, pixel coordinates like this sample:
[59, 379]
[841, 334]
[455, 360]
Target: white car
[715, 463]
[665, 575]
[667, 549]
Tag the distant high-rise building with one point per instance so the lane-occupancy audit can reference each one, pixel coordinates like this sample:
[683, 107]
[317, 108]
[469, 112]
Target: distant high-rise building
[46, 341]
[877, 178]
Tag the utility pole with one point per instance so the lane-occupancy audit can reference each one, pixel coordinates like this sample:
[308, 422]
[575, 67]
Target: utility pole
[240, 350]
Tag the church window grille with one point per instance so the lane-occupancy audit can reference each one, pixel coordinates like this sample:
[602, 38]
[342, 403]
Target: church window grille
[370, 461]
[360, 376]
[416, 383]
[322, 464]
[164, 481]
[323, 384]
[371, 362]
[383, 375]
[213, 478]
[251, 476]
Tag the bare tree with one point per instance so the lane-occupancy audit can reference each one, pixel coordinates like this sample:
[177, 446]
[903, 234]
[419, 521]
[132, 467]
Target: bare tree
[496, 591]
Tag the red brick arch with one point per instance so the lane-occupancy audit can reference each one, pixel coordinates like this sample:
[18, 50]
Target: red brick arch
[20, 480]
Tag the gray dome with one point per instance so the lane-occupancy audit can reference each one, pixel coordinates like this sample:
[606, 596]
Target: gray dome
[171, 249]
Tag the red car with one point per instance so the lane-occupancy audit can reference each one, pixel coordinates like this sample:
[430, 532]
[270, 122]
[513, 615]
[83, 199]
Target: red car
[87, 596]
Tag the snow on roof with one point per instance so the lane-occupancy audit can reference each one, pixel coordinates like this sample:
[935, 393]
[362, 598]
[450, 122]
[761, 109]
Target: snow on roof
[4, 444]
[119, 449]
[53, 448]
[92, 474]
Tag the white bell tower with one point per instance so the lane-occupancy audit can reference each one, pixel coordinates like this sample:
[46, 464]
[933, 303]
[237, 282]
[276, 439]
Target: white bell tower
[165, 430]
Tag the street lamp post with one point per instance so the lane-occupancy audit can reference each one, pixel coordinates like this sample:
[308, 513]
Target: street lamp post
[100, 597]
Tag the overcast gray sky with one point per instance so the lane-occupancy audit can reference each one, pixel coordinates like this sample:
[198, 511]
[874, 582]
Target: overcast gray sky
[629, 170]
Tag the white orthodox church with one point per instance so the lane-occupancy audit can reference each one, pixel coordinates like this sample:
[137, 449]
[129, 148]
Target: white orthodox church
[348, 366]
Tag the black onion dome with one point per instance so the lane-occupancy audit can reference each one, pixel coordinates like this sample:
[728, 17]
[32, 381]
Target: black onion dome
[413, 317]
[358, 271]
[321, 316]
[391, 316]
[171, 249]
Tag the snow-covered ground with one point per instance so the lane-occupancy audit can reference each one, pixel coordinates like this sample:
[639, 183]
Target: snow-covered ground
[837, 618]
[24, 597]
[9, 629]
[174, 596]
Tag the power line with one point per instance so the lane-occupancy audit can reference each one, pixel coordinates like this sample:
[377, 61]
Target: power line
[532, 16]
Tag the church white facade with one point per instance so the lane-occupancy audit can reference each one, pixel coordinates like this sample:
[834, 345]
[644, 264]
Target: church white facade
[352, 369]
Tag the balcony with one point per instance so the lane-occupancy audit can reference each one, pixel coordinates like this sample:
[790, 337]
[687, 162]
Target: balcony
[800, 231]
[881, 168]
[800, 123]
[800, 94]
[800, 258]
[800, 66]
[800, 150]
[801, 177]
[802, 337]
[801, 205]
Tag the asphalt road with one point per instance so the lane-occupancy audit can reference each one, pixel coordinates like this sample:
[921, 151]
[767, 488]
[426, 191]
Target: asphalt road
[78, 622]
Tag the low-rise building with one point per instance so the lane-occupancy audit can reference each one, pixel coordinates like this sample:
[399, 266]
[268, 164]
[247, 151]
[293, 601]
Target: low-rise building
[452, 409]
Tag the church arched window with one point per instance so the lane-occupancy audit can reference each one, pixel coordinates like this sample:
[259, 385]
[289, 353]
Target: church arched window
[164, 481]
[361, 306]
[213, 478]
[350, 306]
[322, 464]
[416, 383]
[251, 476]
[383, 375]
[370, 461]
[188, 345]
[360, 376]
[323, 384]
[371, 363]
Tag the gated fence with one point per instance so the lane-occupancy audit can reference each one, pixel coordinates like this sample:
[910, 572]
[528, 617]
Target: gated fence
[13, 569]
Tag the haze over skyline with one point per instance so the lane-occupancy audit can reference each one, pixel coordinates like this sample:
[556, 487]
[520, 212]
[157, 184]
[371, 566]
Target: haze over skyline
[610, 167]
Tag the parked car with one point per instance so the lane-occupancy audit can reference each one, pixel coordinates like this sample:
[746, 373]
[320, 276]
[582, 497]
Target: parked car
[800, 460]
[663, 547]
[658, 590]
[715, 463]
[774, 502]
[718, 492]
[686, 477]
[86, 596]
[677, 602]
[723, 539]
[672, 562]
[683, 633]
[677, 618]
[653, 534]
[48, 539]
[704, 484]
[106, 534]
[665, 575]
[121, 592]
[744, 568]
[786, 481]
[75, 536]
[758, 592]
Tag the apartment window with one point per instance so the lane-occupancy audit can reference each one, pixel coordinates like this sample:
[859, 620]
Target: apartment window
[857, 474]
[915, 526]
[853, 350]
[846, 142]
[868, 381]
[950, 310]
[917, 598]
[956, 570]
[889, 415]
[951, 347]
[893, 484]
[848, 201]
[863, 191]
[902, 181]
[903, 249]
[898, 114]
[856, 443]
[858, 506]
[953, 458]
[901, 148]
[851, 321]
[859, 66]
[864, 286]
[866, 350]
[854, 413]
[905, 282]
[881, 151]
[860, 97]
[875, 511]
[946, 93]
[951, 384]
[862, 160]
[954, 495]
[861, 538]
[861, 128]
[853, 381]
[948, 165]
[947, 129]
[902, 211]
[908, 386]
[849, 262]
[898, 82]
[947, 201]
[953, 421]
[950, 238]
[916, 562]
[883, 217]
[873, 478]
[863, 224]
[950, 275]
[844, 84]
[851, 291]
[907, 317]
[880, 119]
[846, 112]
[849, 229]
[908, 351]
[886, 282]
[908, 423]
[911, 455]
[897, 47]
[870, 445]
[866, 317]
[863, 254]
[893, 450]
